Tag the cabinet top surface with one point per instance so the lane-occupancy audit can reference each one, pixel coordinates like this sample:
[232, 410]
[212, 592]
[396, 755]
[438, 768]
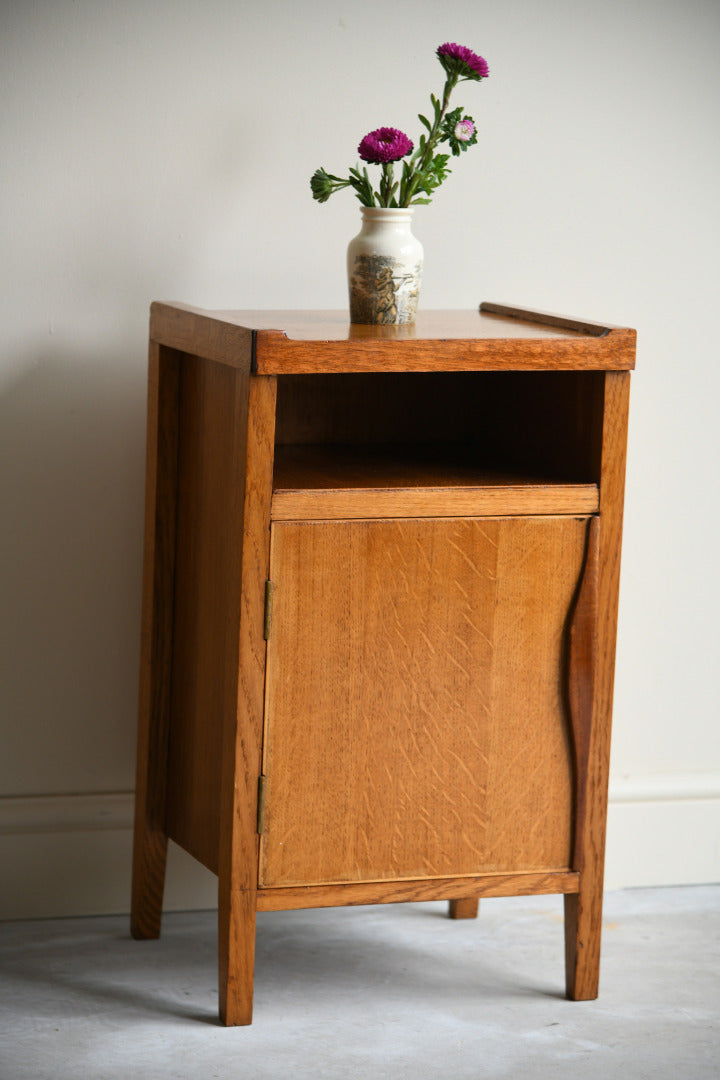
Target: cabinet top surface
[495, 337]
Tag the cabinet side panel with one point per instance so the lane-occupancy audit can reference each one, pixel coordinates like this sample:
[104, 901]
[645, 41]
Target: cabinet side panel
[150, 840]
[213, 404]
[415, 717]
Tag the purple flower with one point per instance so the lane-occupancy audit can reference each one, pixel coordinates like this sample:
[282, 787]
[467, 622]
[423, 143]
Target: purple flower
[465, 130]
[462, 62]
[384, 144]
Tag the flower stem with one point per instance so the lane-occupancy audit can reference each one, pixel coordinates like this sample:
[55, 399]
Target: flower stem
[431, 142]
[386, 183]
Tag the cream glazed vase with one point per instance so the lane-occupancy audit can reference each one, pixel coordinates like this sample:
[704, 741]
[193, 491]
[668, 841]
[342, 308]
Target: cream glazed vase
[385, 264]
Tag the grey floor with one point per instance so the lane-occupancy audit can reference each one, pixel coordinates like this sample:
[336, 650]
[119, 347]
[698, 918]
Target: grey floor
[385, 992]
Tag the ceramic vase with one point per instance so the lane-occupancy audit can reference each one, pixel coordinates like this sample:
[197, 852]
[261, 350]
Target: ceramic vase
[385, 265]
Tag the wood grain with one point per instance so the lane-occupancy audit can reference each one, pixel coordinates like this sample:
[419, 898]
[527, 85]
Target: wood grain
[242, 739]
[415, 724]
[327, 481]
[486, 500]
[150, 836]
[482, 410]
[236, 955]
[582, 658]
[464, 909]
[462, 890]
[213, 425]
[278, 355]
[313, 342]
[531, 424]
[546, 318]
[437, 709]
[583, 912]
[200, 333]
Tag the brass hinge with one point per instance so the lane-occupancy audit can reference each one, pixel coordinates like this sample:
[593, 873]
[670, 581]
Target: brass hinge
[261, 805]
[268, 609]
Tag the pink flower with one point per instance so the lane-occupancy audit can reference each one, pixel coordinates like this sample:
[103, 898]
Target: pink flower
[384, 144]
[465, 130]
[462, 62]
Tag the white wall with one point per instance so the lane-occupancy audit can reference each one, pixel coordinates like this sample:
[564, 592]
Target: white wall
[163, 151]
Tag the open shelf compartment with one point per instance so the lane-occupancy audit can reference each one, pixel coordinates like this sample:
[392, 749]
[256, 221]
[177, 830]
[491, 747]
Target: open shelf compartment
[438, 444]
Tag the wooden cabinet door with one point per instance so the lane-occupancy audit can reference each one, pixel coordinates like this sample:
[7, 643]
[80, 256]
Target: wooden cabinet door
[415, 715]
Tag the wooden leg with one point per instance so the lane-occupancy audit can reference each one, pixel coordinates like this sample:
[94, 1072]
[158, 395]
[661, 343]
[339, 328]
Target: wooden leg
[464, 909]
[236, 944]
[583, 910]
[591, 669]
[148, 882]
[242, 740]
[583, 927]
[590, 724]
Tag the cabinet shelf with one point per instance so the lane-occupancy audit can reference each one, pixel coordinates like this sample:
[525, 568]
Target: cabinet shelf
[334, 481]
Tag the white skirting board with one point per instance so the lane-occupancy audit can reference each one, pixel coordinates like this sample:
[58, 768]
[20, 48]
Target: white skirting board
[71, 854]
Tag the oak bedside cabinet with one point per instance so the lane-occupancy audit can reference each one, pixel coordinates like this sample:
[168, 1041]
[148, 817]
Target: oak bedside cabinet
[379, 614]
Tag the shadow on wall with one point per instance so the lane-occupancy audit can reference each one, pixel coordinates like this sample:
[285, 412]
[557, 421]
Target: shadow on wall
[72, 438]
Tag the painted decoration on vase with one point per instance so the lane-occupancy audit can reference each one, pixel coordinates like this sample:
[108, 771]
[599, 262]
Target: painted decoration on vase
[383, 290]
